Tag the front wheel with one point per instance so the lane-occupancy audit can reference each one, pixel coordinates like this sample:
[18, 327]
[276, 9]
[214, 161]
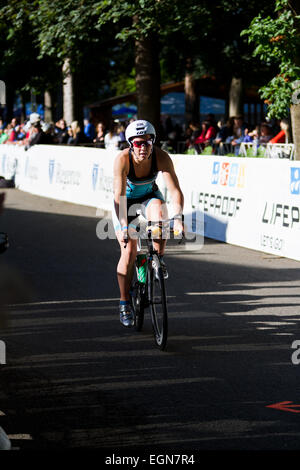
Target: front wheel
[158, 303]
[138, 302]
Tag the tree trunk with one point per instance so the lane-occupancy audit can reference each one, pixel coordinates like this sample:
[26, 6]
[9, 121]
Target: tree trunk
[295, 108]
[48, 106]
[236, 97]
[191, 95]
[68, 92]
[148, 80]
[295, 118]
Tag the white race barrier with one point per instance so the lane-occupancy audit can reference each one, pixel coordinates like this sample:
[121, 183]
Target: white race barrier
[250, 202]
[268, 150]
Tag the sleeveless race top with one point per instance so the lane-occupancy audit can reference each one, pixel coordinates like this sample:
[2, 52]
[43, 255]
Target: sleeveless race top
[140, 187]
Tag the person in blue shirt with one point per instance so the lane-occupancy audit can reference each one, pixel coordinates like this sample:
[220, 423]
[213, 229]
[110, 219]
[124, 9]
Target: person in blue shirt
[89, 129]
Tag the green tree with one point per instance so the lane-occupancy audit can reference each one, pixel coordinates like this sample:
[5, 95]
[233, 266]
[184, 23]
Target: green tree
[277, 41]
[144, 26]
[21, 69]
[215, 48]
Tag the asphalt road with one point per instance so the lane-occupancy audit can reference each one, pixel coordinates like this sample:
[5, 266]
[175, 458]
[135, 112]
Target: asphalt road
[75, 378]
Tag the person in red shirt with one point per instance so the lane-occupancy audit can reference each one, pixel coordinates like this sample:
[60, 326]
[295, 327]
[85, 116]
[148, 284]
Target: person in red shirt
[205, 138]
[282, 136]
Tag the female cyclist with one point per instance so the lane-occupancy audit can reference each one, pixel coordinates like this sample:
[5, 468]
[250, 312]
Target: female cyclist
[135, 172]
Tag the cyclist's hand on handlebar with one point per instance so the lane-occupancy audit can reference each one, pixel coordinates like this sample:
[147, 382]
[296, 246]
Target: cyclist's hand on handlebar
[178, 227]
[155, 230]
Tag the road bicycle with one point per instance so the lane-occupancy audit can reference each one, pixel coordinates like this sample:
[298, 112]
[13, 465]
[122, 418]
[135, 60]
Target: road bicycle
[148, 288]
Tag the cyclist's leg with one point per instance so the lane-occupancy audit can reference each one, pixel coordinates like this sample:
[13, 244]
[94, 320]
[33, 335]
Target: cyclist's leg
[127, 257]
[126, 266]
[156, 210]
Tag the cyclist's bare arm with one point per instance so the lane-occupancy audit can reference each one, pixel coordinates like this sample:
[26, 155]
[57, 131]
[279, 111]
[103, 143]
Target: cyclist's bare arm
[120, 175]
[165, 165]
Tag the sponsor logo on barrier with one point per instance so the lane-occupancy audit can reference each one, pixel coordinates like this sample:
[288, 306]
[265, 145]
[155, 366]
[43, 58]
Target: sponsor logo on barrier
[100, 181]
[295, 180]
[283, 215]
[31, 172]
[216, 204]
[63, 177]
[95, 176]
[228, 174]
[67, 177]
[271, 242]
[51, 170]
[8, 166]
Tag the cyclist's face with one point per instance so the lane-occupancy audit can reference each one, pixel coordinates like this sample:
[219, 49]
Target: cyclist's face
[142, 147]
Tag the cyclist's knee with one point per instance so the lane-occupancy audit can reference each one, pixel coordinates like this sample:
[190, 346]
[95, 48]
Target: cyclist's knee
[156, 210]
[129, 253]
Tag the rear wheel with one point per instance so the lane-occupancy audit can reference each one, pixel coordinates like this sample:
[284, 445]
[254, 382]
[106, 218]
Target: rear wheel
[158, 303]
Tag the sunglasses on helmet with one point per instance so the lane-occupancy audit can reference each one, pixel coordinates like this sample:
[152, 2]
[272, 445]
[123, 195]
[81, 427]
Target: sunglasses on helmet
[139, 143]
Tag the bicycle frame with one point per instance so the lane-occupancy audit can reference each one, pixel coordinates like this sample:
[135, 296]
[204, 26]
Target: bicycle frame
[151, 293]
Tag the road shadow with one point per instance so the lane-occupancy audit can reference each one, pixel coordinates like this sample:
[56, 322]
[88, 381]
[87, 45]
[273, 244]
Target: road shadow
[75, 379]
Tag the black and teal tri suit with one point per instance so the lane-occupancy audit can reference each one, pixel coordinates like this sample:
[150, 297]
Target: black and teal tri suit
[140, 191]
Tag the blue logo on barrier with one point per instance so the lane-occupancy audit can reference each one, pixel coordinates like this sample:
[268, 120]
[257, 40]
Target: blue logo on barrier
[295, 180]
[233, 175]
[215, 173]
[95, 175]
[51, 170]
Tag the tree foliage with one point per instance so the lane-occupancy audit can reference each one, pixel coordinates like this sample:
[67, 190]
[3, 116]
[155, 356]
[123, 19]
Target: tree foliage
[154, 16]
[277, 41]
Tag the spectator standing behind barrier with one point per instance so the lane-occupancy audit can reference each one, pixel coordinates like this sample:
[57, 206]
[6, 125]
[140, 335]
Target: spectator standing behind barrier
[121, 133]
[238, 133]
[206, 137]
[76, 135]
[21, 133]
[112, 139]
[14, 129]
[100, 133]
[89, 130]
[61, 135]
[225, 131]
[265, 133]
[193, 131]
[39, 136]
[3, 136]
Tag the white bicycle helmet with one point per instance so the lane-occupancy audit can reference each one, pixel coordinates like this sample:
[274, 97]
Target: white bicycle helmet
[139, 128]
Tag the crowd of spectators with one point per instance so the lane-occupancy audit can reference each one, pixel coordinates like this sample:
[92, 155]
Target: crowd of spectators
[36, 131]
[222, 137]
[227, 137]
